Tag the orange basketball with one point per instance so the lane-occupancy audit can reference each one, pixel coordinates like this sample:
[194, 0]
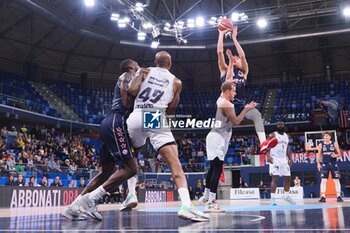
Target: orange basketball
[225, 24]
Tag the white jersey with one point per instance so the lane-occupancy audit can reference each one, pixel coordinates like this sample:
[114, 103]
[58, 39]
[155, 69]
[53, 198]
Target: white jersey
[218, 139]
[226, 125]
[156, 90]
[280, 150]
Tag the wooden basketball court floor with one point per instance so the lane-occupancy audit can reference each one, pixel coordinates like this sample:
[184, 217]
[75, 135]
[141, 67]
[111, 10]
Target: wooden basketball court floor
[241, 216]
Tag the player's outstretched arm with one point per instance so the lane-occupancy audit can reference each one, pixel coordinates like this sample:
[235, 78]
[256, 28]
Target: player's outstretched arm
[231, 115]
[229, 73]
[319, 155]
[136, 81]
[240, 51]
[220, 51]
[177, 91]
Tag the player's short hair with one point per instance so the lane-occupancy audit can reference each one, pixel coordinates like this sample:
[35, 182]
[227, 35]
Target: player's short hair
[125, 65]
[228, 85]
[328, 133]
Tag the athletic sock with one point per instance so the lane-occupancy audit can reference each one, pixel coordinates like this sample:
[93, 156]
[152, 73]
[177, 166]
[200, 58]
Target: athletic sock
[97, 194]
[184, 196]
[132, 185]
[212, 197]
[206, 193]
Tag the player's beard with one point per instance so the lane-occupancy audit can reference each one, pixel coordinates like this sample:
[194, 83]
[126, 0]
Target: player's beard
[280, 130]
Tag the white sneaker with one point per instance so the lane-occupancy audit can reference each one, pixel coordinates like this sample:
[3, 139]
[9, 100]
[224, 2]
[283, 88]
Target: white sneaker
[193, 214]
[289, 200]
[214, 208]
[203, 200]
[129, 203]
[73, 213]
[90, 207]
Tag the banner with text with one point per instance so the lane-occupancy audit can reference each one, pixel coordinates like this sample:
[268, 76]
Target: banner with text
[157, 195]
[311, 157]
[16, 197]
[295, 192]
[244, 193]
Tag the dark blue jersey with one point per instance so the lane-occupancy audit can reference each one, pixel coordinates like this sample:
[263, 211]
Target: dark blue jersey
[240, 81]
[117, 103]
[327, 150]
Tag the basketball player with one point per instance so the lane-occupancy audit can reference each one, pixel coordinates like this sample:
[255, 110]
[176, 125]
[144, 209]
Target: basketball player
[218, 140]
[279, 159]
[328, 152]
[116, 146]
[157, 93]
[239, 75]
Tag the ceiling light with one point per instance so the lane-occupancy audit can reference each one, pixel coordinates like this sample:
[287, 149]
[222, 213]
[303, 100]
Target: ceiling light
[155, 44]
[190, 23]
[147, 25]
[213, 20]
[200, 21]
[346, 11]
[89, 3]
[167, 27]
[262, 23]
[141, 36]
[139, 7]
[114, 17]
[235, 17]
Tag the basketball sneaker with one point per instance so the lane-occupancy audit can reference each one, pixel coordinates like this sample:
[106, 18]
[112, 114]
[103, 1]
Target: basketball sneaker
[129, 203]
[193, 214]
[214, 208]
[90, 207]
[289, 200]
[203, 200]
[73, 213]
[339, 199]
[267, 145]
[323, 199]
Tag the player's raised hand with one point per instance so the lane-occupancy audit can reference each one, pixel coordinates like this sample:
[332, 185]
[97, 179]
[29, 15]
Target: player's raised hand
[234, 31]
[250, 106]
[224, 31]
[230, 57]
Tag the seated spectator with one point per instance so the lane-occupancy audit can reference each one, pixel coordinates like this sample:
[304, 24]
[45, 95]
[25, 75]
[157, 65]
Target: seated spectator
[262, 189]
[11, 181]
[20, 167]
[32, 182]
[192, 195]
[43, 182]
[57, 182]
[20, 181]
[296, 182]
[82, 183]
[71, 184]
[242, 184]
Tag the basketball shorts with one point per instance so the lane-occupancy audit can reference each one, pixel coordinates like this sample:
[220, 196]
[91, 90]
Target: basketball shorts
[116, 142]
[217, 145]
[332, 168]
[279, 167]
[159, 137]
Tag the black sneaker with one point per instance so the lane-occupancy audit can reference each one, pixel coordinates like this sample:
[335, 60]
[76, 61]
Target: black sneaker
[322, 199]
[339, 199]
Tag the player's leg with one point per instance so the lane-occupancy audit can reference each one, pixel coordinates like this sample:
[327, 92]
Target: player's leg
[336, 176]
[211, 148]
[114, 135]
[284, 170]
[204, 199]
[324, 177]
[107, 161]
[214, 182]
[256, 117]
[274, 173]
[164, 142]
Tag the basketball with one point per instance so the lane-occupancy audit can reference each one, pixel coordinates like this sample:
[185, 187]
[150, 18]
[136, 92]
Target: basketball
[225, 24]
